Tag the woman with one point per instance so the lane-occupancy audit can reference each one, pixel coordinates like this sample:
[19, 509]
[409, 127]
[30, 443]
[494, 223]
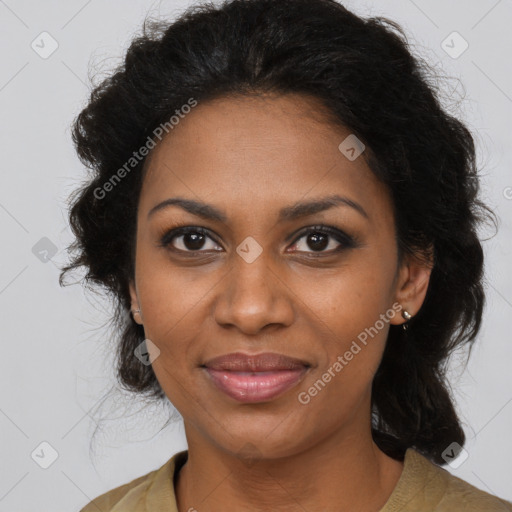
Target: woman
[290, 216]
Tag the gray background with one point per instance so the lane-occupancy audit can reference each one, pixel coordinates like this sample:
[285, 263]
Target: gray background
[57, 359]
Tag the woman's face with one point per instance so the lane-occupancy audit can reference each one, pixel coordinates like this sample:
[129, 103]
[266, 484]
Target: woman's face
[266, 273]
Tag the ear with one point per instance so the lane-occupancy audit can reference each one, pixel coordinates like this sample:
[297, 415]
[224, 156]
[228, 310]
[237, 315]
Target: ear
[137, 316]
[412, 283]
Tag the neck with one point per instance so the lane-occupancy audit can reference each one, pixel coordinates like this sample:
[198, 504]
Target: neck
[344, 471]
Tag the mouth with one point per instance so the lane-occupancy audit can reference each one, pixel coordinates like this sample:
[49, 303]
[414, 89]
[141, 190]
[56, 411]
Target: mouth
[255, 378]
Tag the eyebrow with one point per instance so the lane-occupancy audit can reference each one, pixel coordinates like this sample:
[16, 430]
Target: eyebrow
[288, 213]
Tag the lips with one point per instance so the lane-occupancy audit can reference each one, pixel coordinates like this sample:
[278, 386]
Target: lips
[255, 378]
[266, 362]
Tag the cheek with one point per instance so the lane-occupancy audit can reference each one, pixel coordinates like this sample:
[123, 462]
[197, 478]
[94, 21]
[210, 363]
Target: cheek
[351, 312]
[347, 300]
[173, 317]
[170, 296]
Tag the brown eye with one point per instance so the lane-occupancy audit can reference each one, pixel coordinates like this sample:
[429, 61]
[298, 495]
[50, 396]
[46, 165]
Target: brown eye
[189, 239]
[317, 239]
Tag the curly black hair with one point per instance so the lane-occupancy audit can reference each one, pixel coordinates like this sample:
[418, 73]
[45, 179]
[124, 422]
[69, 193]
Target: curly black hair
[364, 72]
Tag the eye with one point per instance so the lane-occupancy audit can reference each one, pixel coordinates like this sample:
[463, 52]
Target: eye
[194, 239]
[189, 239]
[319, 238]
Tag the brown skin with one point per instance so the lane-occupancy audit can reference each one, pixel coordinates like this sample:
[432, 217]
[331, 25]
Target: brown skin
[250, 157]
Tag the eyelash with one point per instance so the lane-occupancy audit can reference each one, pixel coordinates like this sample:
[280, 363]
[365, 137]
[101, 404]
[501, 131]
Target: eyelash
[346, 241]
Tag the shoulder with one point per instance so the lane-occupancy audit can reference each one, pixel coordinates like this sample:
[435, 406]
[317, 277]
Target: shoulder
[135, 495]
[108, 500]
[436, 489]
[465, 496]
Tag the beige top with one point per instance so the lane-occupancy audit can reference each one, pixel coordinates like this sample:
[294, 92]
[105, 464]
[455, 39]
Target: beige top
[422, 487]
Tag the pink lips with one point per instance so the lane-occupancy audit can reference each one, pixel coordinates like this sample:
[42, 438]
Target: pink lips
[255, 378]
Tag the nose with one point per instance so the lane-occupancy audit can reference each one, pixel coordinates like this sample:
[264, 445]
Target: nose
[253, 297]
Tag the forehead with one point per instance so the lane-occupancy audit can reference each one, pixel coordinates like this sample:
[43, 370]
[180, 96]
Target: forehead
[257, 152]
